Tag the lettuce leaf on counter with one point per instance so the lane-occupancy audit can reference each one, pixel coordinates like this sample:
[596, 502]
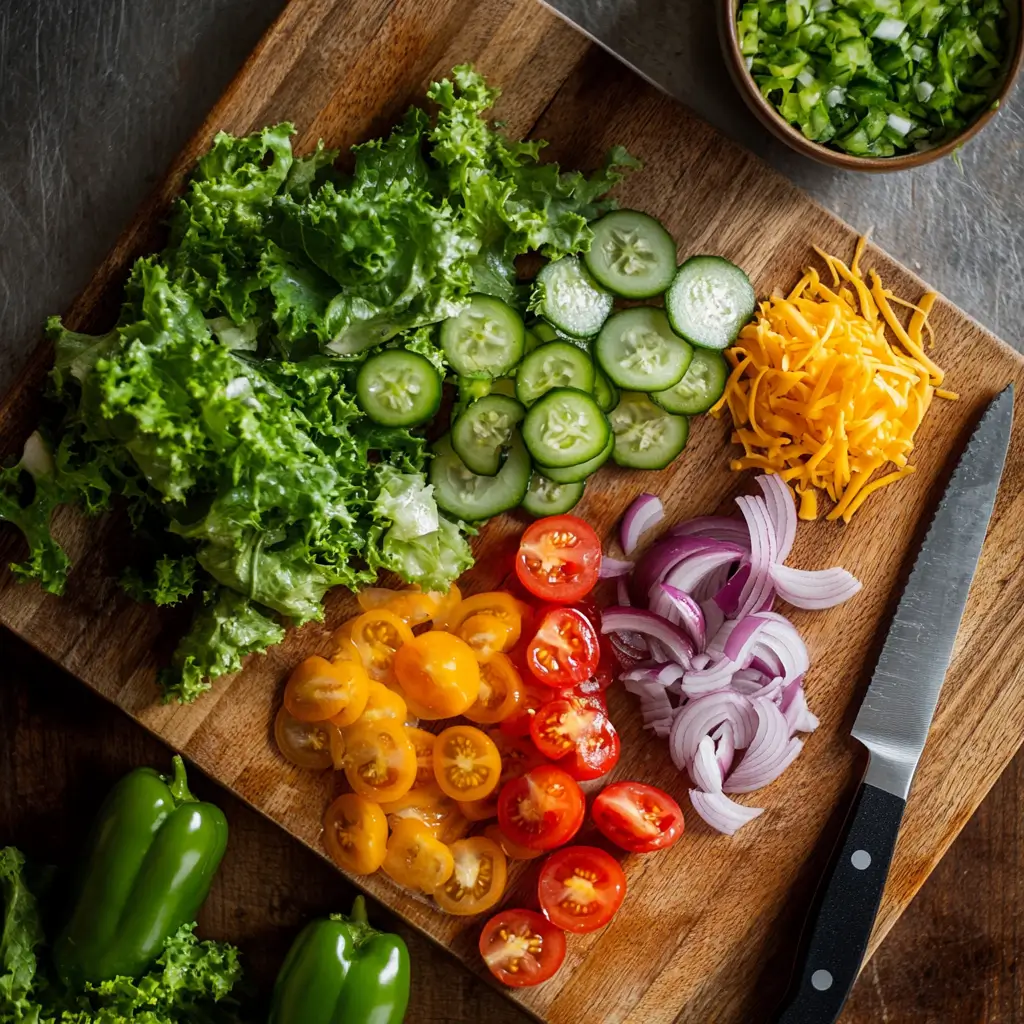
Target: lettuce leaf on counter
[220, 411]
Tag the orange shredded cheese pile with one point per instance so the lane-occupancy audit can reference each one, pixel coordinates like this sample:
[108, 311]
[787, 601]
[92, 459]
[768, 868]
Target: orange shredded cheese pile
[819, 395]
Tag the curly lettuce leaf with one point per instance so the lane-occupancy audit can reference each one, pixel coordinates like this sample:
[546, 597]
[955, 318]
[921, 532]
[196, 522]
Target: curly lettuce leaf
[22, 935]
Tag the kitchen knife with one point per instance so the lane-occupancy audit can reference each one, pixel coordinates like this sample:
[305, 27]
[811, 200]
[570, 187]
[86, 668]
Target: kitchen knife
[894, 719]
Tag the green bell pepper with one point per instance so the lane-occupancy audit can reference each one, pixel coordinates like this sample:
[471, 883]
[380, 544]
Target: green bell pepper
[151, 857]
[342, 971]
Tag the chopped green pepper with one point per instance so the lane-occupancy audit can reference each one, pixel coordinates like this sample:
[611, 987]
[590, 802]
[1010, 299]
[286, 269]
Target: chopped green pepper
[342, 971]
[876, 77]
[151, 858]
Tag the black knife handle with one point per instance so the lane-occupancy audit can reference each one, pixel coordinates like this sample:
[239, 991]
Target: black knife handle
[837, 933]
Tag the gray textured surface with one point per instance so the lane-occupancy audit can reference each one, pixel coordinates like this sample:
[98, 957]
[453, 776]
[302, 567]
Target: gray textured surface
[962, 232]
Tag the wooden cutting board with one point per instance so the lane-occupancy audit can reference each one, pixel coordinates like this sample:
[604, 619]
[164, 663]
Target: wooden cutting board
[707, 930]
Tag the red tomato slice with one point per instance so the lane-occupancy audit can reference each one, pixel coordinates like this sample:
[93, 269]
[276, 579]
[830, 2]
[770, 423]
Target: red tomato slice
[541, 810]
[595, 755]
[518, 756]
[580, 888]
[561, 726]
[607, 671]
[517, 725]
[638, 817]
[521, 948]
[564, 651]
[559, 559]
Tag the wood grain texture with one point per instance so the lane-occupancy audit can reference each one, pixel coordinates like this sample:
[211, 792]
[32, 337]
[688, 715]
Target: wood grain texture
[699, 934]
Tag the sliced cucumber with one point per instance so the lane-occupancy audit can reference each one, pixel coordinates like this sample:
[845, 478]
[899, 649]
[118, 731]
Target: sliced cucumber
[480, 436]
[531, 340]
[565, 427]
[471, 497]
[398, 389]
[606, 394]
[646, 437]
[565, 294]
[504, 386]
[572, 474]
[632, 254]
[702, 385]
[544, 332]
[638, 350]
[709, 300]
[485, 340]
[554, 365]
[547, 498]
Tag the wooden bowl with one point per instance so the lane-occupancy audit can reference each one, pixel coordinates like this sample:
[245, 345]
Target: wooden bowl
[795, 139]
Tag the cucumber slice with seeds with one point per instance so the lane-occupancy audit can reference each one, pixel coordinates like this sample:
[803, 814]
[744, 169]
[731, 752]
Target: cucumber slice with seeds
[709, 300]
[485, 340]
[398, 389]
[702, 385]
[471, 497]
[547, 498]
[573, 474]
[606, 394]
[632, 254]
[482, 433]
[646, 437]
[565, 427]
[554, 365]
[638, 350]
[567, 296]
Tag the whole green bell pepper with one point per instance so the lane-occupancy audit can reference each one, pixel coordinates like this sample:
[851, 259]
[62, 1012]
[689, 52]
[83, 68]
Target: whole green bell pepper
[342, 971]
[150, 860]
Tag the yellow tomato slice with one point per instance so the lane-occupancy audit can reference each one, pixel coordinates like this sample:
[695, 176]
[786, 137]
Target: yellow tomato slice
[478, 878]
[377, 635]
[416, 859]
[439, 675]
[344, 649]
[447, 603]
[467, 764]
[382, 703]
[380, 760]
[319, 689]
[485, 633]
[497, 603]
[501, 691]
[423, 742]
[356, 834]
[436, 810]
[304, 744]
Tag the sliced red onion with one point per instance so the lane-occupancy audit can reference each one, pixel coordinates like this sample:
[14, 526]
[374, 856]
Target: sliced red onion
[663, 675]
[705, 769]
[711, 584]
[689, 614]
[701, 715]
[781, 638]
[622, 592]
[728, 596]
[814, 589]
[656, 710]
[782, 509]
[721, 813]
[614, 567]
[673, 554]
[762, 554]
[714, 619]
[646, 512]
[770, 752]
[722, 528]
[676, 643]
[700, 661]
[789, 692]
[798, 715]
[725, 746]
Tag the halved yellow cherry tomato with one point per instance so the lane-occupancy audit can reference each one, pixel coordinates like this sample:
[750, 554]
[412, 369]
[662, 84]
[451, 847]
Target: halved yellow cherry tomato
[381, 704]
[411, 605]
[467, 764]
[485, 633]
[501, 691]
[446, 607]
[439, 675]
[356, 834]
[497, 603]
[380, 760]
[436, 810]
[416, 859]
[377, 635]
[344, 649]
[304, 744]
[319, 689]
[423, 742]
[478, 877]
[478, 810]
[511, 850]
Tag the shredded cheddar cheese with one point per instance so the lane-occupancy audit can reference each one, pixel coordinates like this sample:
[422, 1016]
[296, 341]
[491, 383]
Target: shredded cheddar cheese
[818, 394]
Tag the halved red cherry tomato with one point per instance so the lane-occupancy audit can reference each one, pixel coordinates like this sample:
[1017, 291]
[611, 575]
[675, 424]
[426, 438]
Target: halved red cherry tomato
[541, 810]
[580, 888]
[596, 755]
[517, 725]
[518, 756]
[564, 651]
[512, 850]
[522, 948]
[607, 671]
[559, 559]
[638, 817]
[578, 735]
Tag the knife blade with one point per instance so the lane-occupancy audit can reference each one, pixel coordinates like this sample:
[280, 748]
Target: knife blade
[894, 719]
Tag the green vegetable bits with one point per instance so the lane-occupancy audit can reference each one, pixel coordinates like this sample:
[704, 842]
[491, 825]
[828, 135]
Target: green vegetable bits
[876, 77]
